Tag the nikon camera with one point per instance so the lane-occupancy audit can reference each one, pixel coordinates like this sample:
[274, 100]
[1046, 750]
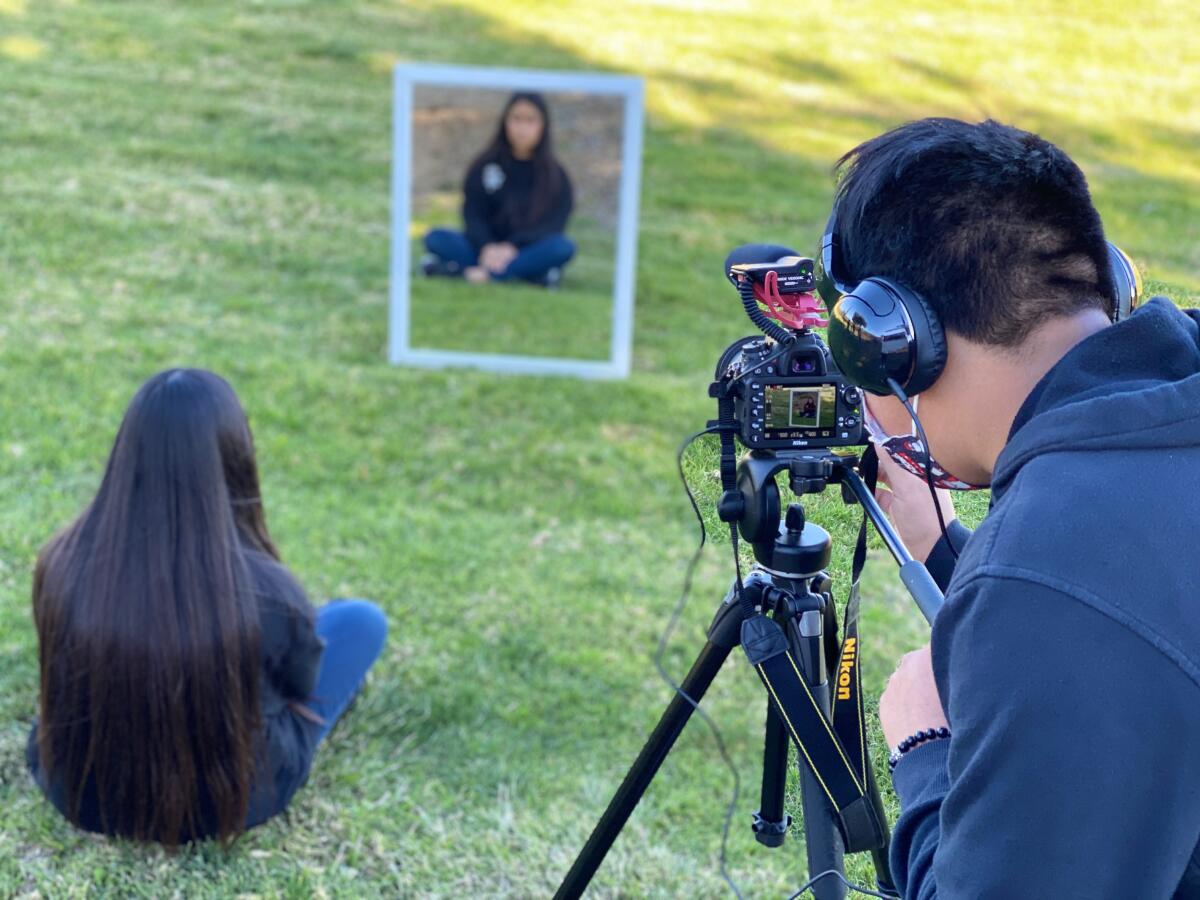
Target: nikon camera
[787, 392]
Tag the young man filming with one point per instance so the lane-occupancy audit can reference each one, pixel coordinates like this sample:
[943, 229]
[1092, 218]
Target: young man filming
[1048, 740]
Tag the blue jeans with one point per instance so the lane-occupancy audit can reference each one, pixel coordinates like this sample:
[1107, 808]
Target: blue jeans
[531, 263]
[353, 631]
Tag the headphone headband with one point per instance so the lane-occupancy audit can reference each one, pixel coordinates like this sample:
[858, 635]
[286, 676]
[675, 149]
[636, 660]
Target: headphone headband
[832, 279]
[879, 328]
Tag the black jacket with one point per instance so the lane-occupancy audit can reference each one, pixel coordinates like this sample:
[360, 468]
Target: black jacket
[496, 196]
[291, 657]
[1067, 655]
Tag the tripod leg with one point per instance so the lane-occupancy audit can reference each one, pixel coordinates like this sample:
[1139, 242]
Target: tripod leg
[823, 841]
[723, 636]
[771, 822]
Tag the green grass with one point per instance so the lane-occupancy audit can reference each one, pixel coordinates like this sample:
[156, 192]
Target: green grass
[206, 184]
[511, 318]
[574, 321]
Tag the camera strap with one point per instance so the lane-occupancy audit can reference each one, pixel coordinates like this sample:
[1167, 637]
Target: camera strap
[727, 428]
[847, 713]
[766, 646]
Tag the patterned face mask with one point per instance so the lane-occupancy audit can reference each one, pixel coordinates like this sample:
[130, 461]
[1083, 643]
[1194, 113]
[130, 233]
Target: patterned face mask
[908, 452]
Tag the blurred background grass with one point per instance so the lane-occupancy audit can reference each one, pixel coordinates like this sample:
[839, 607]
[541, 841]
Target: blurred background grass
[207, 184]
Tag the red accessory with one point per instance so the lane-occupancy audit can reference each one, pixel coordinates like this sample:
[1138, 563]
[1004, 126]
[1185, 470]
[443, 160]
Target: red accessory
[792, 310]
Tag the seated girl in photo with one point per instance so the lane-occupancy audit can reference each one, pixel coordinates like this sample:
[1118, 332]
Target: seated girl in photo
[517, 198]
[185, 678]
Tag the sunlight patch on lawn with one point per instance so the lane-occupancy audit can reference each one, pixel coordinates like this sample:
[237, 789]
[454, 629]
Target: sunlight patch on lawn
[22, 47]
[381, 62]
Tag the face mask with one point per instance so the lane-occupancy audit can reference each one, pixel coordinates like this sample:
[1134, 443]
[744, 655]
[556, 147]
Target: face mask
[908, 452]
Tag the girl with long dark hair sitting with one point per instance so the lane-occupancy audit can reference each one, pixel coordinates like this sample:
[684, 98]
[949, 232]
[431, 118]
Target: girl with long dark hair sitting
[185, 678]
[516, 201]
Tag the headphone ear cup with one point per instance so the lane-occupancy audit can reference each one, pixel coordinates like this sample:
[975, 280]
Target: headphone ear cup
[1127, 282]
[929, 336]
[880, 331]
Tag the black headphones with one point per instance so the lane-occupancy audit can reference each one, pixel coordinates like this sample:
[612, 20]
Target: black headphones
[880, 330]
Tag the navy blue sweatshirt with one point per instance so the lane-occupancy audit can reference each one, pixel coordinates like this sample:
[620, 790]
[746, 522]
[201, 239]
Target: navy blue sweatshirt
[496, 200]
[1067, 655]
[291, 657]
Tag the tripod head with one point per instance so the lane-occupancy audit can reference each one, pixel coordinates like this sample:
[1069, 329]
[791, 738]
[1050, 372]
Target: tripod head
[756, 508]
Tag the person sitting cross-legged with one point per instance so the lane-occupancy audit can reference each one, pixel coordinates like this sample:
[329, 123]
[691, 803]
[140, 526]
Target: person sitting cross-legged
[517, 199]
[186, 680]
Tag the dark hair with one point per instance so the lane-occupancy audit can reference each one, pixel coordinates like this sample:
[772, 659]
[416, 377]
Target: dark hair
[547, 171]
[148, 631]
[993, 225]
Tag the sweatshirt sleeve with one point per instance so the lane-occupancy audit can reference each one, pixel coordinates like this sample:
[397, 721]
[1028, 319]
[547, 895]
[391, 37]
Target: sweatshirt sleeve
[941, 560]
[554, 221]
[291, 646]
[475, 209]
[1072, 768]
[298, 673]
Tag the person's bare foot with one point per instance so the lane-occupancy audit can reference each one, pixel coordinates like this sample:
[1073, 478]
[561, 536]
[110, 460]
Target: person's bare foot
[476, 274]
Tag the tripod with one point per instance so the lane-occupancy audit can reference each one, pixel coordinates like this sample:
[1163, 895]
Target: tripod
[787, 583]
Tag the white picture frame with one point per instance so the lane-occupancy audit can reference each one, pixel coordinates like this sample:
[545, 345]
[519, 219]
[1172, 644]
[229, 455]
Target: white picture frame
[630, 88]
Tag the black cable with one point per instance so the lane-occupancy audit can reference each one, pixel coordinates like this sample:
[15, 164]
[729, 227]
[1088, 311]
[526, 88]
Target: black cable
[676, 613]
[937, 507]
[745, 289]
[678, 688]
[842, 878]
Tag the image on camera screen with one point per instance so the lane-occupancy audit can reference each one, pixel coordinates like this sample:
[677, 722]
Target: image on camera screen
[807, 407]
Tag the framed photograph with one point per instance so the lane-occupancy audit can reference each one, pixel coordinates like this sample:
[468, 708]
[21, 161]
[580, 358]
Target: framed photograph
[514, 219]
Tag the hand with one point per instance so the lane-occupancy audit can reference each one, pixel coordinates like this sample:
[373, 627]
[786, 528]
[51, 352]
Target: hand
[905, 498]
[910, 702]
[496, 257]
[476, 274]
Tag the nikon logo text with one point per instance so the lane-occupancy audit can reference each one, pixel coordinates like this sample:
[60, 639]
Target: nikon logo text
[846, 669]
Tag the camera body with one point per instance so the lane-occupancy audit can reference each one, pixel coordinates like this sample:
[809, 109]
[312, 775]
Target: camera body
[792, 397]
[787, 392]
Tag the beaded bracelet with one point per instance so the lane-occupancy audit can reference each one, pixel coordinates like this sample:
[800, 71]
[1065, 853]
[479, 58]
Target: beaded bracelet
[928, 734]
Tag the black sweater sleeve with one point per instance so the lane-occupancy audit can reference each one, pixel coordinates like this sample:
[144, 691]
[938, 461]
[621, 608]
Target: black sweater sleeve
[554, 221]
[291, 648]
[300, 664]
[941, 560]
[475, 209]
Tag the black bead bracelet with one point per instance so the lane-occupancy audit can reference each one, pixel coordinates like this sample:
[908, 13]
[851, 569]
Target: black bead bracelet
[928, 734]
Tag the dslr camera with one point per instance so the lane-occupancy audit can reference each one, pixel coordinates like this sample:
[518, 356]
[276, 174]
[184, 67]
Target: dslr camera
[786, 391]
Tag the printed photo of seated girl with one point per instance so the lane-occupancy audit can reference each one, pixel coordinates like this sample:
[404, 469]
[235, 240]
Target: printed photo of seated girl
[517, 198]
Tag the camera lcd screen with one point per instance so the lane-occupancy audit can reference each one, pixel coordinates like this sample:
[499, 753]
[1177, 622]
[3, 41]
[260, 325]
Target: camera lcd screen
[801, 409]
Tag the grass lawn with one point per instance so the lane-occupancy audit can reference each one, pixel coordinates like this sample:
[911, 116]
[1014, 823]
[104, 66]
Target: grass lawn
[573, 321]
[207, 184]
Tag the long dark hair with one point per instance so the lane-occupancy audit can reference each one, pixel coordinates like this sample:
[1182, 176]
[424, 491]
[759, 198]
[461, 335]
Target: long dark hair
[547, 171]
[148, 636]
